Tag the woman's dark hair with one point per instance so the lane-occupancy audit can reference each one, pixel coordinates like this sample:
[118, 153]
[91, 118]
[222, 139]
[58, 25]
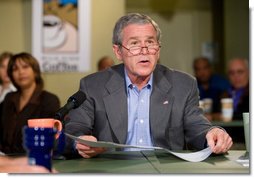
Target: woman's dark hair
[31, 61]
[5, 55]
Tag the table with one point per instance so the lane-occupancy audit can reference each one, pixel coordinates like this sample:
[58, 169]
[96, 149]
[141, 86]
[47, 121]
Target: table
[152, 162]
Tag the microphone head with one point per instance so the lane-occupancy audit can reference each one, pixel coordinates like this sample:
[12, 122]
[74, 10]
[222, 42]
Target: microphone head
[77, 98]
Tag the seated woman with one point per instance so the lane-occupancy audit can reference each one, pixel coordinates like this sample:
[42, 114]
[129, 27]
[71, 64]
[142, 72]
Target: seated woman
[29, 101]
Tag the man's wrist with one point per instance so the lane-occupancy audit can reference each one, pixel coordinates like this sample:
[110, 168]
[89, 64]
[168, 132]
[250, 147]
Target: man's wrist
[219, 127]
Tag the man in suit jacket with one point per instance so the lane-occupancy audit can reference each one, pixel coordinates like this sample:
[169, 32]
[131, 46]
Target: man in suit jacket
[141, 102]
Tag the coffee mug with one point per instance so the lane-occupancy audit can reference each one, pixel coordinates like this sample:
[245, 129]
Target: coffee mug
[227, 109]
[46, 123]
[208, 105]
[39, 144]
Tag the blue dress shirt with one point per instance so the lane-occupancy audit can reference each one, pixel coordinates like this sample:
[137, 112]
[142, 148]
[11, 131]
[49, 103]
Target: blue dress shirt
[138, 114]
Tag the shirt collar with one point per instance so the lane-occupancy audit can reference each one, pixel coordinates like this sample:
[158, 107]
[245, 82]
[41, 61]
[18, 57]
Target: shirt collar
[33, 100]
[129, 83]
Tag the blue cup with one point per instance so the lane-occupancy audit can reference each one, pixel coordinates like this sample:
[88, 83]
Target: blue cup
[39, 144]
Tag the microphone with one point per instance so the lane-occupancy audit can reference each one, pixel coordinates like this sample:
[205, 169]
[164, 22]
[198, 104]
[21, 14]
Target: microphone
[72, 103]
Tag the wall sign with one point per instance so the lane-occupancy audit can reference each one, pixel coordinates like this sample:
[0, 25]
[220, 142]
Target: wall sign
[61, 35]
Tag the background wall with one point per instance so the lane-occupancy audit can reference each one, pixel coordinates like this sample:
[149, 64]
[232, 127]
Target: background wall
[236, 29]
[187, 26]
[191, 28]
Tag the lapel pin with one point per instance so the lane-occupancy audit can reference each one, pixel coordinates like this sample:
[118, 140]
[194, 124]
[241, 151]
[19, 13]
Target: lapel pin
[165, 102]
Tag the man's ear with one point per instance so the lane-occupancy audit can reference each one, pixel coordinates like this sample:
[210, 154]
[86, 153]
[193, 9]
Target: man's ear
[118, 52]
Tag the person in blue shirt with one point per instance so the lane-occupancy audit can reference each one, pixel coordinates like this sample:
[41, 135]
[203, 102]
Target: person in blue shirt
[210, 85]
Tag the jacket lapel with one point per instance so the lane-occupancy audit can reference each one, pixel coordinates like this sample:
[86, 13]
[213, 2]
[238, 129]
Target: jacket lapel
[160, 105]
[116, 106]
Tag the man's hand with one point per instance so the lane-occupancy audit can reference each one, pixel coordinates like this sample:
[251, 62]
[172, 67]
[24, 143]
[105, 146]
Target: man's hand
[87, 151]
[218, 140]
[23, 169]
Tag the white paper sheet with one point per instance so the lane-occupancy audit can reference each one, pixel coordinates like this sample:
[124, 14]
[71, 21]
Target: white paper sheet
[192, 157]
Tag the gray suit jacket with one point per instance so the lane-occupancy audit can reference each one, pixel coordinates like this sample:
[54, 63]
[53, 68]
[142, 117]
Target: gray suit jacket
[175, 118]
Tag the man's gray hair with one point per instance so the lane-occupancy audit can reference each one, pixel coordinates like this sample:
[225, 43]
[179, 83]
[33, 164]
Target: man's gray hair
[244, 60]
[133, 18]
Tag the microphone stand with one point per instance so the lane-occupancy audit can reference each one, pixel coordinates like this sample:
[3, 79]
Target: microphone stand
[73, 102]
[60, 142]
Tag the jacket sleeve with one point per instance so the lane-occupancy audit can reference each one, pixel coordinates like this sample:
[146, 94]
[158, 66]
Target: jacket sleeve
[195, 124]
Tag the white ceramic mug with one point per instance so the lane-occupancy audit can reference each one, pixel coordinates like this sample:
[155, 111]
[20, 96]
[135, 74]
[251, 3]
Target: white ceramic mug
[227, 109]
[208, 105]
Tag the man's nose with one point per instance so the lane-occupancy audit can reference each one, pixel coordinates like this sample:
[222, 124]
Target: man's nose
[144, 50]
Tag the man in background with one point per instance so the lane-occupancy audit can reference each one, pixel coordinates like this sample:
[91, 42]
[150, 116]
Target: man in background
[238, 74]
[105, 62]
[210, 85]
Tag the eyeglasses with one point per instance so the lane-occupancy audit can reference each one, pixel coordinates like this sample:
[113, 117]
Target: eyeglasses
[236, 72]
[137, 50]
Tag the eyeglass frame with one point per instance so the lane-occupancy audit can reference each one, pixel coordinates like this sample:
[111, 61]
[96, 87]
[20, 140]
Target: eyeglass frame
[147, 47]
[236, 72]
